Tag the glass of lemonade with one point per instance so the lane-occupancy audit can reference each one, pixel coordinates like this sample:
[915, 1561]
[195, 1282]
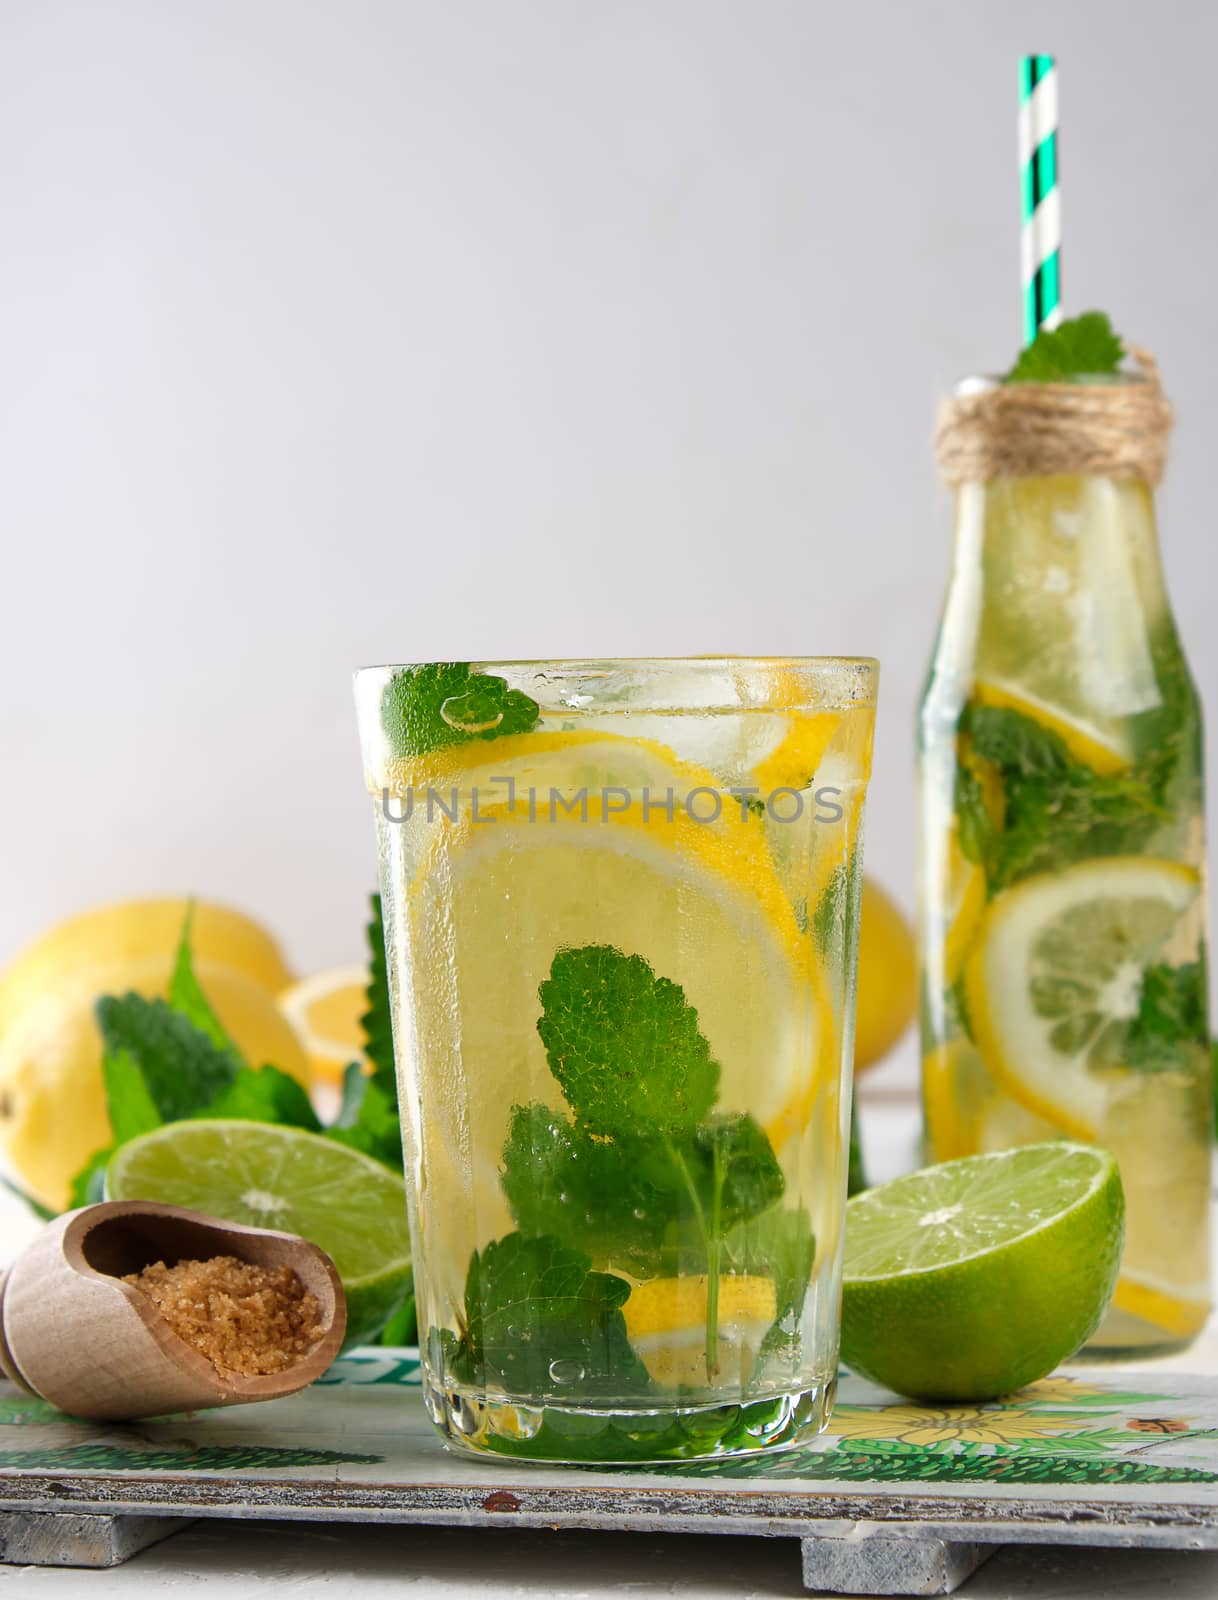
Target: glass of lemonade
[621, 911]
[1063, 911]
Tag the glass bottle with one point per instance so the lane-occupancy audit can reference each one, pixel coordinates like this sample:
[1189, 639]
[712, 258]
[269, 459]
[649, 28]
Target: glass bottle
[1061, 862]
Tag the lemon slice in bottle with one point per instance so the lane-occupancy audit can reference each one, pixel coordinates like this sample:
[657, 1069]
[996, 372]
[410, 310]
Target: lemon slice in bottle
[1057, 973]
[1090, 745]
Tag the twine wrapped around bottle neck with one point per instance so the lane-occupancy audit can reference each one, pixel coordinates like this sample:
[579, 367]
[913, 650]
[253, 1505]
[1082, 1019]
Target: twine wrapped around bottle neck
[1034, 430]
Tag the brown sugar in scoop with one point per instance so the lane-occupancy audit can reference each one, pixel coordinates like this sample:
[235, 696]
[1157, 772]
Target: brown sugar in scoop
[130, 1308]
[242, 1317]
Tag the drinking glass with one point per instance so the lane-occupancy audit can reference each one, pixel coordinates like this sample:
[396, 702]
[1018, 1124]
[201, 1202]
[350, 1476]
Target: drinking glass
[621, 912]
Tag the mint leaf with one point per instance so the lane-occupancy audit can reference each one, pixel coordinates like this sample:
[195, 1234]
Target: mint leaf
[182, 1069]
[264, 1094]
[442, 703]
[1015, 742]
[129, 1103]
[1076, 348]
[624, 1045]
[186, 995]
[1172, 1018]
[731, 1167]
[1055, 811]
[377, 1021]
[537, 1315]
[588, 1191]
[368, 1119]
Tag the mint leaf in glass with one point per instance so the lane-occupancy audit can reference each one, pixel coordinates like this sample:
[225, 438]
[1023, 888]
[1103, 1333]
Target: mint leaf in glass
[726, 1165]
[442, 703]
[589, 1192]
[538, 1316]
[624, 1044]
[1076, 348]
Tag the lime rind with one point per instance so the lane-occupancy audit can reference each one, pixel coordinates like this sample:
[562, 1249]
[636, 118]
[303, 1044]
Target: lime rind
[953, 1213]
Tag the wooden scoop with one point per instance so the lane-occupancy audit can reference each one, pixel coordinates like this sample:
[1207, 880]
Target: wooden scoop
[74, 1333]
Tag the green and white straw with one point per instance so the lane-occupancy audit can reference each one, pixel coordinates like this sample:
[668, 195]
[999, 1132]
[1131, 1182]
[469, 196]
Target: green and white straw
[1042, 222]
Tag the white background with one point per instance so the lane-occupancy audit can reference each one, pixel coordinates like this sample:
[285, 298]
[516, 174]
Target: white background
[350, 332]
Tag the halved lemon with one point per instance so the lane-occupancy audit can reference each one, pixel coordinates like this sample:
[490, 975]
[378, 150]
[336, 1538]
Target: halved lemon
[135, 931]
[1057, 974]
[666, 1324]
[1091, 746]
[326, 1011]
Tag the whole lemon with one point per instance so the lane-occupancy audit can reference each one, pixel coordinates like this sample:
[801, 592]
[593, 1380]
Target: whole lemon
[888, 976]
[52, 1104]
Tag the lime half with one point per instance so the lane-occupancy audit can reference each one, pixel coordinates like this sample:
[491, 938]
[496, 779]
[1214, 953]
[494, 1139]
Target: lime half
[271, 1177]
[968, 1280]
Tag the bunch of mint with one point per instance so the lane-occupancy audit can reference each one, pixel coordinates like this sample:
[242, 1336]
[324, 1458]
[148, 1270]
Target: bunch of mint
[640, 1173]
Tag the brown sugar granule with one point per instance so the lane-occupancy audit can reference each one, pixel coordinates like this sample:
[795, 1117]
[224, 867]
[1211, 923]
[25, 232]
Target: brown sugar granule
[243, 1318]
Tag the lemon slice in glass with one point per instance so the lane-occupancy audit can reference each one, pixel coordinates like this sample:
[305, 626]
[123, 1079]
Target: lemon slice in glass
[701, 903]
[666, 1324]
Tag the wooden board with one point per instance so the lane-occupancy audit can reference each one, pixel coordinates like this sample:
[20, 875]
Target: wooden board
[895, 1498]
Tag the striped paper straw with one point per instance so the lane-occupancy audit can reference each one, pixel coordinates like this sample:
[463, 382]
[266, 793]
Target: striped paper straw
[1040, 243]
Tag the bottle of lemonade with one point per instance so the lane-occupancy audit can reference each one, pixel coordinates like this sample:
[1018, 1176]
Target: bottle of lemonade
[1063, 905]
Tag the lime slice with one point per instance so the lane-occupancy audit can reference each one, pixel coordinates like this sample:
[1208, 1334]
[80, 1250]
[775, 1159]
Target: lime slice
[271, 1177]
[1056, 977]
[968, 1280]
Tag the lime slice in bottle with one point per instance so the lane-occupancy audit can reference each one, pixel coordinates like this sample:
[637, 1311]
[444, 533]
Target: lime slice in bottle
[968, 1280]
[271, 1177]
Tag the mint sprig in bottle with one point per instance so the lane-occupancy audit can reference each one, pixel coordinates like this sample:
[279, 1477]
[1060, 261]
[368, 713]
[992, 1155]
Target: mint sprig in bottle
[1061, 831]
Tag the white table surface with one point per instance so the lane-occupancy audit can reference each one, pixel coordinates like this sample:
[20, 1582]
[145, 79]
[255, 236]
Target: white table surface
[221, 1560]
